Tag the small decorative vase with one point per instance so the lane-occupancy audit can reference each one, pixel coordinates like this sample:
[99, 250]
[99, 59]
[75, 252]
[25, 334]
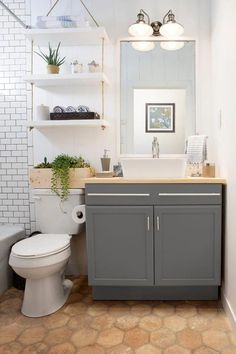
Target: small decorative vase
[53, 69]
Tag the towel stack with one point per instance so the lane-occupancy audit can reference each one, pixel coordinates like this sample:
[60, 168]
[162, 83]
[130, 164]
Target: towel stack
[61, 22]
[196, 149]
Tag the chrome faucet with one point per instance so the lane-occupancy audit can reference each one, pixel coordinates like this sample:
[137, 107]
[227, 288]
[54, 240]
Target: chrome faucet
[155, 148]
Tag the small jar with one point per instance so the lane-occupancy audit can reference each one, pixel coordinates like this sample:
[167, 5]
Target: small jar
[76, 67]
[208, 169]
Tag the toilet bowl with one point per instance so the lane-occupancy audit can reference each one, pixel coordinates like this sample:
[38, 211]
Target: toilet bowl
[41, 260]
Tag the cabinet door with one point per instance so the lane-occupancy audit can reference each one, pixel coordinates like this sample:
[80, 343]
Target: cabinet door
[120, 245]
[187, 245]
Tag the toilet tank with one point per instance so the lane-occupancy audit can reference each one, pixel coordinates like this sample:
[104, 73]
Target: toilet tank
[54, 216]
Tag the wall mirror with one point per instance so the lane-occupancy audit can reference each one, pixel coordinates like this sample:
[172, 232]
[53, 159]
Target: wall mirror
[157, 97]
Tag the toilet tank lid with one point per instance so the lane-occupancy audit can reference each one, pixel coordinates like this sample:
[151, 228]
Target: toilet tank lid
[41, 245]
[47, 191]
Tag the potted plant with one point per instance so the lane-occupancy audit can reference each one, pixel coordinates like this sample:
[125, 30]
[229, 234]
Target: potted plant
[63, 173]
[52, 59]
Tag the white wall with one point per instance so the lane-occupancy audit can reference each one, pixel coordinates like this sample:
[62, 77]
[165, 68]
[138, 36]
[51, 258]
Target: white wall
[169, 142]
[224, 91]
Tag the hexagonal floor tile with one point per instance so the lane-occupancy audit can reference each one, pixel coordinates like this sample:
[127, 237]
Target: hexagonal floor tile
[163, 338]
[110, 337]
[136, 337]
[215, 339]
[189, 339]
[175, 323]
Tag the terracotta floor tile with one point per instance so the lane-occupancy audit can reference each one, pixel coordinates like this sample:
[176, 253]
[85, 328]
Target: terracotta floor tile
[176, 349]
[199, 323]
[186, 310]
[229, 351]
[32, 335]
[150, 323]
[56, 320]
[148, 349]
[163, 338]
[217, 340]
[127, 322]
[141, 310]
[119, 309]
[97, 309]
[136, 337]
[85, 326]
[205, 350]
[11, 348]
[120, 349]
[58, 335]
[80, 321]
[91, 349]
[75, 308]
[102, 322]
[63, 348]
[39, 348]
[189, 339]
[164, 310]
[84, 337]
[175, 323]
[110, 337]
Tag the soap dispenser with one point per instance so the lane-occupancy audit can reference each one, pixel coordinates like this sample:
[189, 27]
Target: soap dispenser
[105, 160]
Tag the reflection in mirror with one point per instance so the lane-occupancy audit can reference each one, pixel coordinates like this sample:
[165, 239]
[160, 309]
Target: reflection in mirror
[157, 98]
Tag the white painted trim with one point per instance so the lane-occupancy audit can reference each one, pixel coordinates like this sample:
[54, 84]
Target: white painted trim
[229, 311]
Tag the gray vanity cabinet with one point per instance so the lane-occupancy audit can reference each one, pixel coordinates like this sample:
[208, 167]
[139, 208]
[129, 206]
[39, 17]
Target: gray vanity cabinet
[187, 245]
[154, 241]
[120, 247]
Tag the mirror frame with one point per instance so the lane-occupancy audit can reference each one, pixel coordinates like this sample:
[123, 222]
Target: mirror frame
[197, 85]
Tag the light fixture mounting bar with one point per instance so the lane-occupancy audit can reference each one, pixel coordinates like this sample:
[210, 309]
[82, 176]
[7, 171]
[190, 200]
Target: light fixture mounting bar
[14, 15]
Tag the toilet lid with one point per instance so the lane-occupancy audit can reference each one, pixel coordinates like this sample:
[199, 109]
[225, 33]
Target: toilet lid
[41, 245]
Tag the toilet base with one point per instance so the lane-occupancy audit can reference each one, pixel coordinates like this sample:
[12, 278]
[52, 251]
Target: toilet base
[45, 296]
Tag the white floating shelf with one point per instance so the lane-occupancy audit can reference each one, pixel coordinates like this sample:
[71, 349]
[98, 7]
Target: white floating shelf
[66, 79]
[67, 36]
[41, 124]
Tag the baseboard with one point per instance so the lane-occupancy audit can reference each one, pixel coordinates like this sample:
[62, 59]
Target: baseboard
[229, 311]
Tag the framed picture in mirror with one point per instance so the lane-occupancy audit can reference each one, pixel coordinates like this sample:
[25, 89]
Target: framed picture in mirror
[160, 117]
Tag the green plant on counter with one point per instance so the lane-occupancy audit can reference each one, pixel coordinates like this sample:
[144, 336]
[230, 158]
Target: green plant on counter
[44, 164]
[60, 173]
[53, 57]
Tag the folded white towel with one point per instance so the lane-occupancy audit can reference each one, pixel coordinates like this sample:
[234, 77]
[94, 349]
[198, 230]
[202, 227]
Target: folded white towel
[197, 148]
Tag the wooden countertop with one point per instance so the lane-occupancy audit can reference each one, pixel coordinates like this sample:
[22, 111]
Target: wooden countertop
[118, 180]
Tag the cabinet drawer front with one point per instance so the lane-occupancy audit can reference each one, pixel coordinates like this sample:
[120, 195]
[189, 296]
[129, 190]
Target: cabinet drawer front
[153, 194]
[120, 245]
[188, 245]
[118, 194]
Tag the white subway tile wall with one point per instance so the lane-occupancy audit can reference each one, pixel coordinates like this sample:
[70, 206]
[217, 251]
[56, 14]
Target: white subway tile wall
[14, 141]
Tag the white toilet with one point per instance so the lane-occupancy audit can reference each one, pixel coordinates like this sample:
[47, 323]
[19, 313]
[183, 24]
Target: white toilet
[42, 259]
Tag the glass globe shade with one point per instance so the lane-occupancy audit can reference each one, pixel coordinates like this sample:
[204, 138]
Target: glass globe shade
[171, 29]
[171, 45]
[143, 46]
[140, 29]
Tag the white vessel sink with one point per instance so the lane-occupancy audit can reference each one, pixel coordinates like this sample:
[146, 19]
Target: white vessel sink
[153, 167]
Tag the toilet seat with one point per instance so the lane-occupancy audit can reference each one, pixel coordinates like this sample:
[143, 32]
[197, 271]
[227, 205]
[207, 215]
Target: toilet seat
[41, 245]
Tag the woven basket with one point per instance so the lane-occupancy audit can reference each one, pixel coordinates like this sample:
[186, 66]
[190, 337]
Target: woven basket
[74, 115]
